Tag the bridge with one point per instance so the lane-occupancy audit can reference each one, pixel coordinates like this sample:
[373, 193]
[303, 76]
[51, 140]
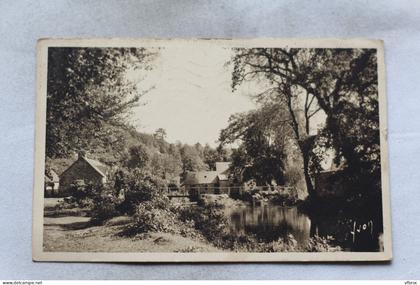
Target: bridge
[197, 191]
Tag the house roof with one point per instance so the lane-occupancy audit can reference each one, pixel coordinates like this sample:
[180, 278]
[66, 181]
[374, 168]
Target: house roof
[200, 177]
[98, 166]
[207, 177]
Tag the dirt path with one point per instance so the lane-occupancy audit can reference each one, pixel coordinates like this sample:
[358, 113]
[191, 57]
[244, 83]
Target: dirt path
[72, 234]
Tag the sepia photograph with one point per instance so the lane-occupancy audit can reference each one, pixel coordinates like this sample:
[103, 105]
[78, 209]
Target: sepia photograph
[211, 150]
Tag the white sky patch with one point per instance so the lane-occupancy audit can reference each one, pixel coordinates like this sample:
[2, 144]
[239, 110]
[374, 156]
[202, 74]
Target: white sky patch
[192, 97]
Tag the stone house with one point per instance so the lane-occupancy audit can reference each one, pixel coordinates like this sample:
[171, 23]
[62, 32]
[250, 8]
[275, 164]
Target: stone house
[83, 171]
[208, 182]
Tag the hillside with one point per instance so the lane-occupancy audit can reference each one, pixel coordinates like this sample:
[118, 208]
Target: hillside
[126, 146]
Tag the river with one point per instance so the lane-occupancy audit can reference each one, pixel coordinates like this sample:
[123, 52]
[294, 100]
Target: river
[270, 222]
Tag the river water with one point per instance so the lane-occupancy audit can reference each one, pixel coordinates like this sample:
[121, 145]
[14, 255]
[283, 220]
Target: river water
[270, 222]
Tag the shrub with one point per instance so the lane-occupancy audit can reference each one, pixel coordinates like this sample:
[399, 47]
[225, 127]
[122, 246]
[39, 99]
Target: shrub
[209, 218]
[322, 244]
[82, 197]
[149, 218]
[138, 186]
[144, 198]
[211, 221]
[104, 208]
[286, 244]
[284, 199]
[293, 175]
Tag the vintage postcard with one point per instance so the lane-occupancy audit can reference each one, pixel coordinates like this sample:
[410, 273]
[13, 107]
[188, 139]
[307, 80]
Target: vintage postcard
[211, 150]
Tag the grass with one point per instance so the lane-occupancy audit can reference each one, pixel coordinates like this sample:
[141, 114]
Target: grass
[52, 203]
[74, 234]
[52, 209]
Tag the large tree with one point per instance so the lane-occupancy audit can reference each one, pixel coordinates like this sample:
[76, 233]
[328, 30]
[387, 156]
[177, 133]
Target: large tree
[262, 135]
[330, 80]
[191, 159]
[88, 94]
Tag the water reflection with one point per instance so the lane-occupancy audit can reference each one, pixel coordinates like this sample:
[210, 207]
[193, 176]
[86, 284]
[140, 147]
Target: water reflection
[269, 222]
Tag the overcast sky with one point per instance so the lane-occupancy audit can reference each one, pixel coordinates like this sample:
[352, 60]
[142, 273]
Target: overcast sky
[192, 98]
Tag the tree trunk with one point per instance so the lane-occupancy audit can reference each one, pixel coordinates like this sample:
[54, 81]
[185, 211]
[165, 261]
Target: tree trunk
[309, 185]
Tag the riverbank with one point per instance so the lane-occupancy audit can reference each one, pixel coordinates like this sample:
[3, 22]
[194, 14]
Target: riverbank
[215, 223]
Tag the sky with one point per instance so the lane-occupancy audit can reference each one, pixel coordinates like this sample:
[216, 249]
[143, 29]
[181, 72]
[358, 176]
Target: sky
[192, 97]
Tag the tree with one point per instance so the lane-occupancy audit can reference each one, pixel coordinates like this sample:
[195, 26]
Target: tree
[316, 79]
[138, 157]
[263, 134]
[160, 134]
[191, 160]
[210, 156]
[88, 93]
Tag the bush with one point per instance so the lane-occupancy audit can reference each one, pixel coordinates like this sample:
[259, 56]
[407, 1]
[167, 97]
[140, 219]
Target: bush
[138, 186]
[322, 244]
[82, 198]
[149, 218]
[144, 198]
[212, 222]
[129, 190]
[286, 244]
[209, 219]
[284, 199]
[104, 207]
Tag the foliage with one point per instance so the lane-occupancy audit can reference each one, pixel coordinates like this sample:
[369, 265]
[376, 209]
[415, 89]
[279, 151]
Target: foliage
[209, 219]
[138, 156]
[152, 217]
[88, 93]
[160, 134]
[284, 199]
[322, 244]
[138, 186]
[191, 159]
[342, 83]
[82, 196]
[263, 135]
[292, 175]
[104, 208]
[285, 244]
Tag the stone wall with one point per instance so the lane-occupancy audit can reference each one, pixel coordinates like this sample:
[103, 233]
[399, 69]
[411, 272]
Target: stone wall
[80, 170]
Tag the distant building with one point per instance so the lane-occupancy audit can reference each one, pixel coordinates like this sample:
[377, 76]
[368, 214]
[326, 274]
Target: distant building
[174, 184]
[209, 182]
[52, 183]
[83, 171]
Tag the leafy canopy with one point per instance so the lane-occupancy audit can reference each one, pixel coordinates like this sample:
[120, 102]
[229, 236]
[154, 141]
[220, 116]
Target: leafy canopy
[89, 94]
